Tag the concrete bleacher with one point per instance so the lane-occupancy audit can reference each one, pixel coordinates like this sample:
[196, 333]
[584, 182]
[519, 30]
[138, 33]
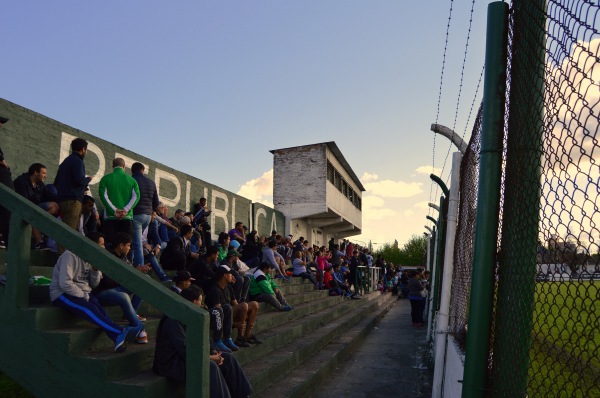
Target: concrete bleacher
[299, 348]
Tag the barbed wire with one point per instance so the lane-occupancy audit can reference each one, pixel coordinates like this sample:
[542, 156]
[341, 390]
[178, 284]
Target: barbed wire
[440, 94]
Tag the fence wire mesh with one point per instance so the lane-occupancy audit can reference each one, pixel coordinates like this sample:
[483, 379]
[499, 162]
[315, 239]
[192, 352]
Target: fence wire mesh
[465, 231]
[545, 339]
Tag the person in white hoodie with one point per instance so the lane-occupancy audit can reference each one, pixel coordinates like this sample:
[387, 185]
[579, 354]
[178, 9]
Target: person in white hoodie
[72, 282]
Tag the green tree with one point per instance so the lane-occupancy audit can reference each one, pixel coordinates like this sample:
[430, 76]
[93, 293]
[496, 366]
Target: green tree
[412, 254]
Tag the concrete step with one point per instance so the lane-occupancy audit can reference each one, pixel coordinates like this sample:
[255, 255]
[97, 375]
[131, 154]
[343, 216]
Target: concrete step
[318, 368]
[38, 258]
[302, 343]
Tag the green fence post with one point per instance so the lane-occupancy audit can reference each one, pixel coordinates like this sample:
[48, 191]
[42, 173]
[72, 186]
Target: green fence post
[516, 283]
[488, 203]
[17, 273]
[439, 257]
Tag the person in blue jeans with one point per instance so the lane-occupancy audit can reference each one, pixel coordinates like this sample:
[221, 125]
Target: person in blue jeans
[417, 301]
[142, 212]
[71, 288]
[109, 292]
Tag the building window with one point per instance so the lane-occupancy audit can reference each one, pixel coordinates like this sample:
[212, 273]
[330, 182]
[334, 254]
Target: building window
[338, 181]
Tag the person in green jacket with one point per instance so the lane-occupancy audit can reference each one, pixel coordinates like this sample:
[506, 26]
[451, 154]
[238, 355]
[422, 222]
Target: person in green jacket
[264, 289]
[119, 193]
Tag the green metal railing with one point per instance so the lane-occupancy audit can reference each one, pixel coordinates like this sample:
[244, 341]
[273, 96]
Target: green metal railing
[24, 214]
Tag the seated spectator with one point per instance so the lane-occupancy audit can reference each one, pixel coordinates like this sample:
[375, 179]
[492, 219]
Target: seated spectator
[223, 243]
[163, 225]
[71, 288]
[244, 314]
[271, 256]
[242, 281]
[204, 269]
[300, 268]
[176, 222]
[201, 213]
[110, 292]
[251, 251]
[31, 186]
[88, 221]
[150, 252]
[264, 289]
[227, 377]
[237, 235]
[339, 281]
[178, 254]
[182, 280]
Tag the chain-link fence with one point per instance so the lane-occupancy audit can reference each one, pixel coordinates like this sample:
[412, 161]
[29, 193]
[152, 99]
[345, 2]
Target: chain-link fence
[463, 250]
[545, 339]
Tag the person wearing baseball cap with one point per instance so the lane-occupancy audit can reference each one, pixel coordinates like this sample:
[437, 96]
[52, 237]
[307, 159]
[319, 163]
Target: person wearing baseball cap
[182, 280]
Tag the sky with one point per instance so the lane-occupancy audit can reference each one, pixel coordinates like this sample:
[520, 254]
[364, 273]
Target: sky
[209, 87]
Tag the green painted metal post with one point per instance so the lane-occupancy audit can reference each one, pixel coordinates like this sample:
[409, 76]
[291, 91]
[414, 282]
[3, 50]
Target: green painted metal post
[488, 203]
[19, 248]
[516, 284]
[439, 258]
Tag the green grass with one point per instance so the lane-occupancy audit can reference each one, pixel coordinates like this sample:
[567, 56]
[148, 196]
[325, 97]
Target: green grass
[565, 357]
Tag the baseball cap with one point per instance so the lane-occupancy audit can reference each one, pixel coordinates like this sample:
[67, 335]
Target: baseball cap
[183, 276]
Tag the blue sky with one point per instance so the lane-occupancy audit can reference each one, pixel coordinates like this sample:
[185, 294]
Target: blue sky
[210, 87]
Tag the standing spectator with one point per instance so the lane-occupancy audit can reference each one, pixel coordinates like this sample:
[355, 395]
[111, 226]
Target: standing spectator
[201, 213]
[119, 193]
[31, 186]
[142, 211]
[336, 255]
[71, 182]
[417, 301]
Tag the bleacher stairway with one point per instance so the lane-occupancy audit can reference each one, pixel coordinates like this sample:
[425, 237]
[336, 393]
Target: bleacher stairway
[53, 353]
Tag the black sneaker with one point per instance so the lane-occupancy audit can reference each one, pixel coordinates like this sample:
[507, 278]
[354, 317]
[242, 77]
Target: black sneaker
[253, 340]
[241, 342]
[41, 246]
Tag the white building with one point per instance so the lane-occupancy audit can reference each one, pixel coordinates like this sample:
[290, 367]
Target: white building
[317, 191]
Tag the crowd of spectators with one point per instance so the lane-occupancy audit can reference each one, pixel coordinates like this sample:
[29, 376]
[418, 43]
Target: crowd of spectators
[227, 277]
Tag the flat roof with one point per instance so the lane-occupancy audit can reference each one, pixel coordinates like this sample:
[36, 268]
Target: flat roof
[337, 153]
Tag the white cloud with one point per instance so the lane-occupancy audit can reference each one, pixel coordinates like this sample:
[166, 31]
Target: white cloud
[422, 205]
[369, 177]
[409, 213]
[259, 189]
[372, 208]
[428, 170]
[394, 189]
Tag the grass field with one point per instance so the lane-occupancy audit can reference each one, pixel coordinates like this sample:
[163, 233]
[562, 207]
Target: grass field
[565, 357]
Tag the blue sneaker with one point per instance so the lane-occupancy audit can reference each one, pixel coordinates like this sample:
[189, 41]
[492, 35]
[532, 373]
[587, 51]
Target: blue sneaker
[288, 308]
[220, 346]
[229, 343]
[128, 334]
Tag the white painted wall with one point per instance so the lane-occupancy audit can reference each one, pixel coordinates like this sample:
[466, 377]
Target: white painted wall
[455, 366]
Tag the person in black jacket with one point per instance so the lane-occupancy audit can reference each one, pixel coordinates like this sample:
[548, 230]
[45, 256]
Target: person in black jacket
[142, 212]
[227, 378]
[31, 186]
[71, 182]
[178, 254]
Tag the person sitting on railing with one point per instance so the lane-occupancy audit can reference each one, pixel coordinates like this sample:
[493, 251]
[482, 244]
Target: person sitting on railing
[110, 292]
[243, 314]
[300, 268]
[263, 288]
[227, 378]
[71, 288]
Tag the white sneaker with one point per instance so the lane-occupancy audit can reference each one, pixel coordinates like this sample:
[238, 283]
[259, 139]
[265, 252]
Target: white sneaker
[142, 338]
